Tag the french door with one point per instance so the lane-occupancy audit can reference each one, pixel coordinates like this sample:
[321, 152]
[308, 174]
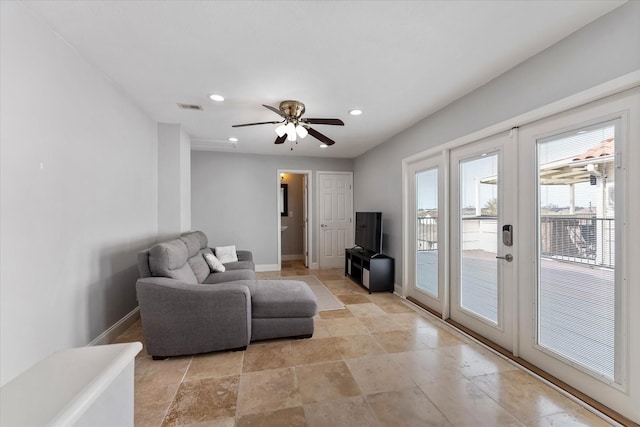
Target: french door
[483, 237]
[543, 244]
[575, 297]
[428, 205]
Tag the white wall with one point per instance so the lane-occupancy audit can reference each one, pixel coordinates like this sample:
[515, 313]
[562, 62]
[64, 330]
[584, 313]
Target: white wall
[78, 195]
[174, 181]
[601, 51]
[234, 198]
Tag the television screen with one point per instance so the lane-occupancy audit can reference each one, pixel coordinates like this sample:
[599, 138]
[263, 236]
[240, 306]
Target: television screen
[369, 231]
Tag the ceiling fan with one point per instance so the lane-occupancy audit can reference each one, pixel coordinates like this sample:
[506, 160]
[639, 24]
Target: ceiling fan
[293, 125]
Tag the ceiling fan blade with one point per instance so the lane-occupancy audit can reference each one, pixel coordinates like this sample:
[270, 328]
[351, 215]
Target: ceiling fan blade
[320, 137]
[335, 122]
[253, 124]
[280, 139]
[274, 109]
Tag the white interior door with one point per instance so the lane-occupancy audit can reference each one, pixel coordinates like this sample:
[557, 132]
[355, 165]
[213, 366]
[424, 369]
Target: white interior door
[482, 261]
[305, 219]
[335, 206]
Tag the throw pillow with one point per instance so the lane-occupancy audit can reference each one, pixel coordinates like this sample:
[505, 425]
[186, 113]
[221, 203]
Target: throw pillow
[226, 254]
[214, 263]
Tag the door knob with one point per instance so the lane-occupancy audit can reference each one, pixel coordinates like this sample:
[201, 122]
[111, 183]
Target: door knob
[507, 257]
[323, 225]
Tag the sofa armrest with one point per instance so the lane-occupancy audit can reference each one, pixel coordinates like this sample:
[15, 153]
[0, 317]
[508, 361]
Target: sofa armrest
[180, 318]
[244, 255]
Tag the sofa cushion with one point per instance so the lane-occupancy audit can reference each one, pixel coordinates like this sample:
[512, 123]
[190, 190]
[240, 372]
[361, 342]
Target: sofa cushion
[193, 243]
[282, 298]
[169, 259]
[214, 263]
[230, 275]
[226, 254]
[240, 265]
[199, 266]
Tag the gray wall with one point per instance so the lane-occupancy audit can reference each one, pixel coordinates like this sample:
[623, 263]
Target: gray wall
[603, 50]
[291, 238]
[234, 198]
[78, 195]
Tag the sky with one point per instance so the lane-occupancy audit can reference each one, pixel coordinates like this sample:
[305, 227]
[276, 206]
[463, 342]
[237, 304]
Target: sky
[550, 149]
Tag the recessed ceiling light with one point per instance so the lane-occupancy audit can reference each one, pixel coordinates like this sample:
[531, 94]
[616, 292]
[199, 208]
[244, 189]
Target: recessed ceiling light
[233, 139]
[216, 97]
[323, 145]
[355, 112]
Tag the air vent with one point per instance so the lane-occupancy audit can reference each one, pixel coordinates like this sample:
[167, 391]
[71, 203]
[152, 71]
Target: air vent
[190, 107]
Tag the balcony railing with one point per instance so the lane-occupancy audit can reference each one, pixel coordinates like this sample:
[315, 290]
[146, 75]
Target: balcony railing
[585, 240]
[579, 239]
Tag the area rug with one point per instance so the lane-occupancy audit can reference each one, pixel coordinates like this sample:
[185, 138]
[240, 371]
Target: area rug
[324, 297]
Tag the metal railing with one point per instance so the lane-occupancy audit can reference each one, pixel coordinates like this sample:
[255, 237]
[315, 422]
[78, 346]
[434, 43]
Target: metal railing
[580, 239]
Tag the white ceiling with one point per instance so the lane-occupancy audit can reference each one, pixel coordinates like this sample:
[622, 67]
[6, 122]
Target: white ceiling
[398, 61]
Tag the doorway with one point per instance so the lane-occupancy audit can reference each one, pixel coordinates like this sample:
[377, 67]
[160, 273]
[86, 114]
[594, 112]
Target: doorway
[293, 217]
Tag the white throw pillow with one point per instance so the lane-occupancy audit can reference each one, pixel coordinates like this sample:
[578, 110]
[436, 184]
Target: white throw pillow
[214, 263]
[226, 254]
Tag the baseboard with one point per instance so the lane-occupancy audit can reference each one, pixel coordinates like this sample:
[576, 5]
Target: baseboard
[117, 329]
[268, 267]
[292, 257]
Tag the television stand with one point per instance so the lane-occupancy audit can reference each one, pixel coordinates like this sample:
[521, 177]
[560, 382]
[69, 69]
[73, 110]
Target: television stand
[374, 271]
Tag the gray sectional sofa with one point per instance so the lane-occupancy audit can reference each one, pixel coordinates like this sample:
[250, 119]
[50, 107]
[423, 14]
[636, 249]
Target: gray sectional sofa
[187, 309]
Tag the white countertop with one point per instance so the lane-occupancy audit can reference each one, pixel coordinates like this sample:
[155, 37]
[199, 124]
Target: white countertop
[60, 388]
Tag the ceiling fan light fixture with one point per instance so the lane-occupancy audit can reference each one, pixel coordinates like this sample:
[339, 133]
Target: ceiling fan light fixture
[301, 131]
[323, 145]
[281, 130]
[291, 131]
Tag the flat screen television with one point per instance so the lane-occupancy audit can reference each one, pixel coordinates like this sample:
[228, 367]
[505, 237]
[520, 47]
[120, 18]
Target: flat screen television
[369, 231]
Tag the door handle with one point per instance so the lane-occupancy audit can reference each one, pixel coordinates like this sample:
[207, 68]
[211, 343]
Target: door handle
[323, 225]
[507, 257]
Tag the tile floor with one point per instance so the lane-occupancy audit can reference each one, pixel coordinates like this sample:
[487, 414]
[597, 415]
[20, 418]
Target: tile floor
[377, 363]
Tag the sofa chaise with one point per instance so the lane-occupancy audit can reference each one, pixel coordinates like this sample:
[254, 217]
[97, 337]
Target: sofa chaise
[188, 309]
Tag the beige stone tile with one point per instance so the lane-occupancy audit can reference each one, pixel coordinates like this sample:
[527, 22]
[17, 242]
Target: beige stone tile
[203, 400]
[406, 407]
[380, 323]
[344, 327]
[349, 299]
[304, 352]
[335, 314]
[151, 401]
[219, 422]
[403, 340]
[325, 381]
[394, 307]
[441, 337]
[355, 346]
[289, 417]
[376, 374]
[320, 330]
[472, 360]
[132, 334]
[350, 412]
[412, 321]
[267, 355]
[523, 395]
[365, 310]
[427, 366]
[265, 391]
[168, 371]
[569, 419]
[478, 407]
[214, 365]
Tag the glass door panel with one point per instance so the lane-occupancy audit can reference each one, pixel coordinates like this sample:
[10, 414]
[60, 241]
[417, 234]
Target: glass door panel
[576, 292]
[482, 268]
[427, 232]
[479, 225]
